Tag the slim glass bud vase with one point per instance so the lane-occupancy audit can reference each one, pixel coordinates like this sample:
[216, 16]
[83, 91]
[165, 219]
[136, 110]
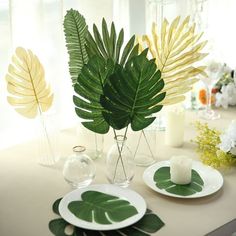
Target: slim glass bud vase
[145, 149]
[92, 141]
[120, 164]
[48, 141]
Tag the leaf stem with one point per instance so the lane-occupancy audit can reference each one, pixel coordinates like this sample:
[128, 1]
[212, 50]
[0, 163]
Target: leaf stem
[145, 137]
[46, 134]
[120, 154]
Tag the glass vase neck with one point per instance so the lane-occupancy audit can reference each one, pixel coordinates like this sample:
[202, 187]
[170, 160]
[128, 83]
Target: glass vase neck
[78, 149]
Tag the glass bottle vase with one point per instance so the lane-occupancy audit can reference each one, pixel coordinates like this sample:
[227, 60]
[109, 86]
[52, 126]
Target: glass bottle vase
[79, 169]
[48, 139]
[120, 163]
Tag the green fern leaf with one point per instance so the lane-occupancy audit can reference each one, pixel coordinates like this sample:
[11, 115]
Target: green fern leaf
[76, 30]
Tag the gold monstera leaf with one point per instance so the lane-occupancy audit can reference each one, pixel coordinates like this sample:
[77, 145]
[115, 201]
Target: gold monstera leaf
[29, 92]
[177, 49]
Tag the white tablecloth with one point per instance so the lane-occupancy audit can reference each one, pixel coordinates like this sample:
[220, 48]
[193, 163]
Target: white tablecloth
[28, 190]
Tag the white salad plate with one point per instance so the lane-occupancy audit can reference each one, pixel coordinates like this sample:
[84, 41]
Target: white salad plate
[125, 194]
[211, 177]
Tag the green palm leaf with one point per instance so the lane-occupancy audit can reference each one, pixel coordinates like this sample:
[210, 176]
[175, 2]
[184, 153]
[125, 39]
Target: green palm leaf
[89, 88]
[108, 45]
[101, 208]
[76, 30]
[149, 224]
[133, 94]
[162, 179]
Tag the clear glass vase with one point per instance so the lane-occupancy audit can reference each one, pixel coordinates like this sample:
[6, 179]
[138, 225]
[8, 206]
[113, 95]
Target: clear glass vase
[48, 139]
[79, 169]
[120, 163]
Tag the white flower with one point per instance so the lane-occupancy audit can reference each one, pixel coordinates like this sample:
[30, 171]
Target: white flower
[222, 99]
[225, 144]
[227, 96]
[231, 131]
[228, 139]
[231, 91]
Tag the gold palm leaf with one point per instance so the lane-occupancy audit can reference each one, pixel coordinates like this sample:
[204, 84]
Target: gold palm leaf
[176, 51]
[29, 92]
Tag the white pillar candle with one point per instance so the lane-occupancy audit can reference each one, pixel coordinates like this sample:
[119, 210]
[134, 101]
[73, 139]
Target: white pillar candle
[174, 134]
[180, 169]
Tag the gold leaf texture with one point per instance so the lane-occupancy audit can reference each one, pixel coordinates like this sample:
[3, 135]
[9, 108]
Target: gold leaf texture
[177, 51]
[26, 84]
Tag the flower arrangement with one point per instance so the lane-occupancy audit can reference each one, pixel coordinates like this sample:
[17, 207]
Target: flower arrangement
[215, 148]
[226, 95]
[224, 91]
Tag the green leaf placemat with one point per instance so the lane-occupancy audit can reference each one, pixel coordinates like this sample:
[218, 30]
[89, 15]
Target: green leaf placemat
[149, 224]
[101, 208]
[162, 179]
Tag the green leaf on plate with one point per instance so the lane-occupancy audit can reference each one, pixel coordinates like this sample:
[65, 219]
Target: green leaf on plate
[101, 208]
[162, 179]
[149, 224]
[55, 206]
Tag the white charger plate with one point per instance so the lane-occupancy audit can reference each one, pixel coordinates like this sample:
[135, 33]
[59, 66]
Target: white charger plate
[134, 198]
[212, 178]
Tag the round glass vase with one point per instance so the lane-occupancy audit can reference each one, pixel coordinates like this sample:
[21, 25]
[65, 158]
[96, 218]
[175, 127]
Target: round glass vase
[79, 170]
[120, 163]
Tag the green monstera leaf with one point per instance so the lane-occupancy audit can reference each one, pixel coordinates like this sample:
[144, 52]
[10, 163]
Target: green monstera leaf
[149, 224]
[133, 94]
[162, 179]
[76, 31]
[89, 88]
[108, 46]
[97, 206]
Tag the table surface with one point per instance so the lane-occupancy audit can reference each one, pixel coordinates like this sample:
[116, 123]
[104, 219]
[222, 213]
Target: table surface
[28, 190]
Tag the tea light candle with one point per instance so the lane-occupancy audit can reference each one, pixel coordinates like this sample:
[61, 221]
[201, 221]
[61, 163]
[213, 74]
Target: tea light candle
[174, 134]
[180, 169]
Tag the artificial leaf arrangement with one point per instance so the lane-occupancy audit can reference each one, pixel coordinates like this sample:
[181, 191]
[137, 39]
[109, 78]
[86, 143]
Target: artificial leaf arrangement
[115, 88]
[176, 49]
[162, 179]
[29, 92]
[215, 148]
[149, 224]
[101, 208]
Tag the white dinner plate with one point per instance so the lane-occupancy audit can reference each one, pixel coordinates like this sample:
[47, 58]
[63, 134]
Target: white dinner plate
[212, 178]
[126, 194]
